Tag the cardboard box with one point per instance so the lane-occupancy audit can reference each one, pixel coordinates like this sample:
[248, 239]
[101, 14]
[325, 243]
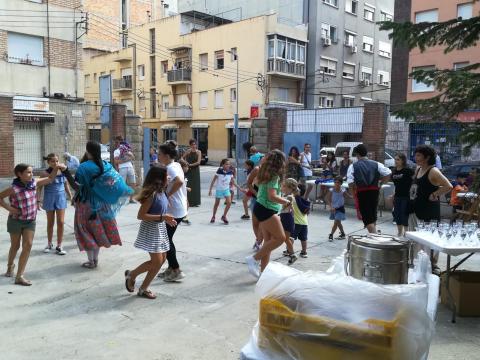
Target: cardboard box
[465, 289]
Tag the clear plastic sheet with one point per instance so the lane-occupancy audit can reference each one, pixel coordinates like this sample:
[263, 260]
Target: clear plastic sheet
[316, 315]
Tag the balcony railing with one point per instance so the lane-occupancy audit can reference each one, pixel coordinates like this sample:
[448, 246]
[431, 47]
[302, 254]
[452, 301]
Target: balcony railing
[125, 83]
[179, 75]
[286, 67]
[180, 112]
[27, 61]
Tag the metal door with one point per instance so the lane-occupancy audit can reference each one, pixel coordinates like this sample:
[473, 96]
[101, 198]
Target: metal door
[27, 140]
[201, 137]
[299, 139]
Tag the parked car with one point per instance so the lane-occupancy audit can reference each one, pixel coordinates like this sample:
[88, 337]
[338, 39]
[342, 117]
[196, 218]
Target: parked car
[182, 149]
[325, 150]
[390, 160]
[451, 172]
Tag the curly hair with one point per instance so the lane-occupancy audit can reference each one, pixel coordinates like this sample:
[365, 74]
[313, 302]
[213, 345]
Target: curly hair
[273, 165]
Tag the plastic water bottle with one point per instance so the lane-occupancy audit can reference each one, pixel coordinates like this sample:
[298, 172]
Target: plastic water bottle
[422, 266]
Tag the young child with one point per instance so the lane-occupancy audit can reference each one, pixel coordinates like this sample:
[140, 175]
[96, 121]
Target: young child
[460, 186]
[336, 201]
[185, 167]
[249, 166]
[23, 213]
[301, 209]
[152, 235]
[223, 178]
[55, 203]
[289, 187]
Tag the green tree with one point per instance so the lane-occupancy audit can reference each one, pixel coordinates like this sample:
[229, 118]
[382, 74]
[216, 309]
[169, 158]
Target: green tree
[459, 89]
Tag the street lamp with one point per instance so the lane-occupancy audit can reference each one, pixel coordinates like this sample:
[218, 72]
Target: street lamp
[235, 122]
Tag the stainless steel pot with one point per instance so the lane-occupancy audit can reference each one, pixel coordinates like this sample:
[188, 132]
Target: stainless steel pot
[381, 259]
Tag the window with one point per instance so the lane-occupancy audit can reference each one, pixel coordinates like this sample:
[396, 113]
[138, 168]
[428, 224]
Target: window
[164, 67]
[328, 66]
[331, 2]
[25, 49]
[383, 78]
[153, 73]
[219, 60]
[282, 94]
[292, 51]
[271, 48]
[281, 48]
[368, 44]
[233, 94]
[426, 16]
[348, 71]
[218, 99]
[326, 101]
[169, 134]
[301, 53]
[152, 41]
[465, 11]
[329, 32]
[165, 102]
[384, 49]
[350, 39]
[87, 80]
[348, 101]
[384, 16]
[203, 62]
[369, 13]
[153, 103]
[94, 78]
[351, 6]
[203, 99]
[460, 65]
[366, 75]
[141, 72]
[233, 54]
[418, 86]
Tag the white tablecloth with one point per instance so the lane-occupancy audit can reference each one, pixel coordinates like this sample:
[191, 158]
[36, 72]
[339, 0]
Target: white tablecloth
[433, 242]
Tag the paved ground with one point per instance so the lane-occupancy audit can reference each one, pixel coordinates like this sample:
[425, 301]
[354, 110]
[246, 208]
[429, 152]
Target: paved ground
[71, 312]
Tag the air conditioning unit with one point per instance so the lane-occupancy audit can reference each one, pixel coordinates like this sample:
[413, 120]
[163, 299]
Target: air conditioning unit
[354, 49]
[365, 82]
[327, 41]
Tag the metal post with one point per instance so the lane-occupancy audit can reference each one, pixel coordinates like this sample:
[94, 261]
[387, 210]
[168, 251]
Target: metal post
[235, 123]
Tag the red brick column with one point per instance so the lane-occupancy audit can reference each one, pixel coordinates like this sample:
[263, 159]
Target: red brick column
[7, 162]
[277, 123]
[374, 130]
[118, 120]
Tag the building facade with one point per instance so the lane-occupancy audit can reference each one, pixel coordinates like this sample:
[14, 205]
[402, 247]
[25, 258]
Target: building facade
[180, 74]
[40, 67]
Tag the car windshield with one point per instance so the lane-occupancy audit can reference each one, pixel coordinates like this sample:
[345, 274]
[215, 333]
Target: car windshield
[340, 150]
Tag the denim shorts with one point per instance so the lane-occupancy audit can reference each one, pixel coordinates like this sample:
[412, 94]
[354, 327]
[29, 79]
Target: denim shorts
[301, 232]
[220, 194]
[16, 226]
[287, 222]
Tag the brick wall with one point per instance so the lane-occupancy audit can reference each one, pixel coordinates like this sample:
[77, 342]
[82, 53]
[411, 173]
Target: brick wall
[134, 135]
[374, 130]
[62, 53]
[118, 120]
[3, 43]
[6, 131]
[277, 122]
[66, 3]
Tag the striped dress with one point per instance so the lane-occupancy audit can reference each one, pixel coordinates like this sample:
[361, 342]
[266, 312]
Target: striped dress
[152, 235]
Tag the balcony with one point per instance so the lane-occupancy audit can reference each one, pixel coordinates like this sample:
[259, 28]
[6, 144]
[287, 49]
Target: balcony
[180, 113]
[27, 61]
[286, 68]
[123, 84]
[180, 76]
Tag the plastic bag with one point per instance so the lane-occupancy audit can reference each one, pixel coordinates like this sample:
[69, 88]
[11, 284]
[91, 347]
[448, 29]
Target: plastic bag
[314, 315]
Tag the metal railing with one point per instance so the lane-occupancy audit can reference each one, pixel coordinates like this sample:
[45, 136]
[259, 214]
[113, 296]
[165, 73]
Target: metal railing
[179, 75]
[179, 112]
[125, 83]
[286, 67]
[26, 61]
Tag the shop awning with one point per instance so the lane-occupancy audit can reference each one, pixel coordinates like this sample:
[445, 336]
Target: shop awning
[241, 125]
[34, 116]
[200, 125]
[169, 126]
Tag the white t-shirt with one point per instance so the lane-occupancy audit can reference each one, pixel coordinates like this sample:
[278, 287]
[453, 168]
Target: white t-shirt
[223, 179]
[128, 164]
[307, 164]
[177, 202]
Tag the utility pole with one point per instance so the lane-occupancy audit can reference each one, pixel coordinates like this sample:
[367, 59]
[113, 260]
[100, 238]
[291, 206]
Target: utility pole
[235, 124]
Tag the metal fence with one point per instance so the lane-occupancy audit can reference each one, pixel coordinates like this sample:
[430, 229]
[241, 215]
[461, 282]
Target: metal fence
[337, 120]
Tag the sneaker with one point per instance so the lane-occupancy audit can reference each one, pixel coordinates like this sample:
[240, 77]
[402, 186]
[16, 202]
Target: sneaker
[48, 248]
[292, 259]
[303, 254]
[175, 275]
[253, 266]
[285, 253]
[330, 237]
[342, 236]
[60, 251]
[212, 220]
[164, 274]
[224, 219]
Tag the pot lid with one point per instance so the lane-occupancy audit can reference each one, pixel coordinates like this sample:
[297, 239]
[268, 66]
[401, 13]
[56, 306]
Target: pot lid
[379, 241]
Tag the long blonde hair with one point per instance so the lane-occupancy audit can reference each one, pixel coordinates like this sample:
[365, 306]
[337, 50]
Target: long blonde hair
[273, 165]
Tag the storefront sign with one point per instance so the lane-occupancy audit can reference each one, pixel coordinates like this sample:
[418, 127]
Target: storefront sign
[30, 103]
[254, 112]
[34, 118]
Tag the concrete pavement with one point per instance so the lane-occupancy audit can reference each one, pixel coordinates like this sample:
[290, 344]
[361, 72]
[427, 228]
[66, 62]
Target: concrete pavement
[75, 313]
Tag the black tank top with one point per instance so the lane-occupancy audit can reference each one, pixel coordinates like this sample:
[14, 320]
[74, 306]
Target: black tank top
[420, 192]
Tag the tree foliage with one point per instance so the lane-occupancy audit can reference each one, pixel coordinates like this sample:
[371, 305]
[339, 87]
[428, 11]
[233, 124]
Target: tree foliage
[458, 90]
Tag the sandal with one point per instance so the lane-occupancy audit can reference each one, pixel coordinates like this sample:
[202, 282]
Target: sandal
[10, 270]
[89, 265]
[20, 280]
[147, 294]
[245, 217]
[128, 281]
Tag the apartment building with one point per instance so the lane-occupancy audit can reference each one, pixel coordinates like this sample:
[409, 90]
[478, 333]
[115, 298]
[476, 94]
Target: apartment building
[40, 66]
[179, 74]
[444, 137]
